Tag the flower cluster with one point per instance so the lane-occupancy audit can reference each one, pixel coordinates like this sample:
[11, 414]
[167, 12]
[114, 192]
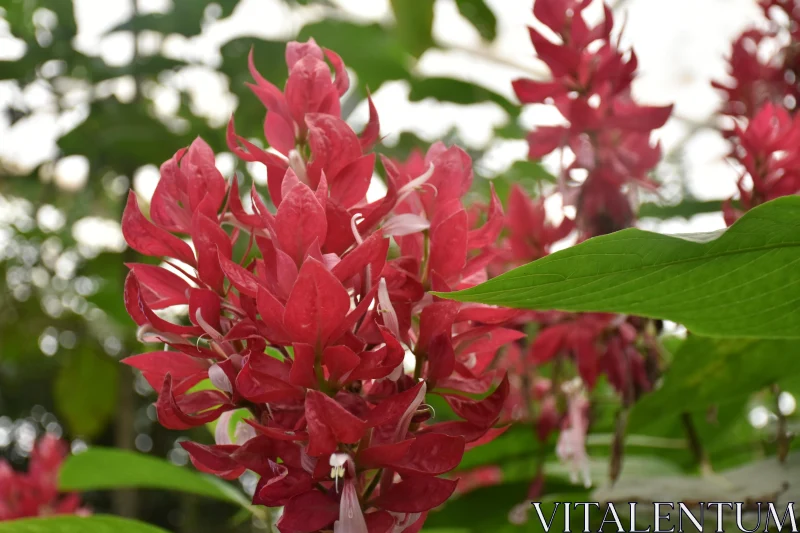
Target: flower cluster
[767, 151]
[35, 492]
[609, 136]
[307, 320]
[608, 133]
[756, 80]
[761, 98]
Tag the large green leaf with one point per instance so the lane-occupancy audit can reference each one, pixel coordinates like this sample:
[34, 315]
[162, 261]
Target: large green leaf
[738, 283]
[108, 468]
[414, 19]
[78, 524]
[85, 391]
[707, 371]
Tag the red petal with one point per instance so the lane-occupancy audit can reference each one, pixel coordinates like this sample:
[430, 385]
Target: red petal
[393, 408]
[488, 233]
[214, 459]
[342, 80]
[205, 184]
[271, 312]
[283, 484]
[210, 241]
[169, 207]
[372, 130]
[535, 92]
[380, 362]
[488, 437]
[307, 513]
[261, 387]
[333, 144]
[436, 319]
[329, 424]
[448, 246]
[441, 357]
[279, 132]
[235, 205]
[247, 151]
[383, 455]
[370, 252]
[300, 221]
[317, 304]
[340, 361]
[148, 239]
[241, 278]
[186, 371]
[467, 430]
[545, 139]
[142, 314]
[207, 405]
[308, 89]
[548, 343]
[431, 454]
[416, 494]
[640, 118]
[303, 373]
[350, 185]
[484, 412]
[160, 287]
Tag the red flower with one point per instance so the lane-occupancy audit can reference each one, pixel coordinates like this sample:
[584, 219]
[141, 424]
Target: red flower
[35, 492]
[530, 235]
[309, 329]
[608, 133]
[762, 96]
[767, 150]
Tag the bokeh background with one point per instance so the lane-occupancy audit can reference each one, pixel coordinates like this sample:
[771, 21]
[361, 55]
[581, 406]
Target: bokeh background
[96, 94]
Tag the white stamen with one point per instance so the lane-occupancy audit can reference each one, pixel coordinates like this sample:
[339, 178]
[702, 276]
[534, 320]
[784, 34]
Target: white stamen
[405, 224]
[337, 462]
[414, 184]
[353, 227]
[387, 309]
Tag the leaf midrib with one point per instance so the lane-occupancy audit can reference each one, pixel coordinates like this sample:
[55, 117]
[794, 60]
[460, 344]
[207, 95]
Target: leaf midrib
[523, 275]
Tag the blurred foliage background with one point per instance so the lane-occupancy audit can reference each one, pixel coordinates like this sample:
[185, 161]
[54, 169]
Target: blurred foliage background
[63, 327]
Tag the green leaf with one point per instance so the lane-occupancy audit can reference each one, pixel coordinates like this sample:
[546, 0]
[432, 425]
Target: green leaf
[109, 468]
[78, 524]
[707, 371]
[458, 92]
[481, 17]
[685, 209]
[414, 19]
[736, 283]
[85, 391]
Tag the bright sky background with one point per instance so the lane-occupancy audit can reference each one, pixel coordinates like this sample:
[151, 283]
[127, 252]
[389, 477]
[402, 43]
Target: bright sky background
[681, 45]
